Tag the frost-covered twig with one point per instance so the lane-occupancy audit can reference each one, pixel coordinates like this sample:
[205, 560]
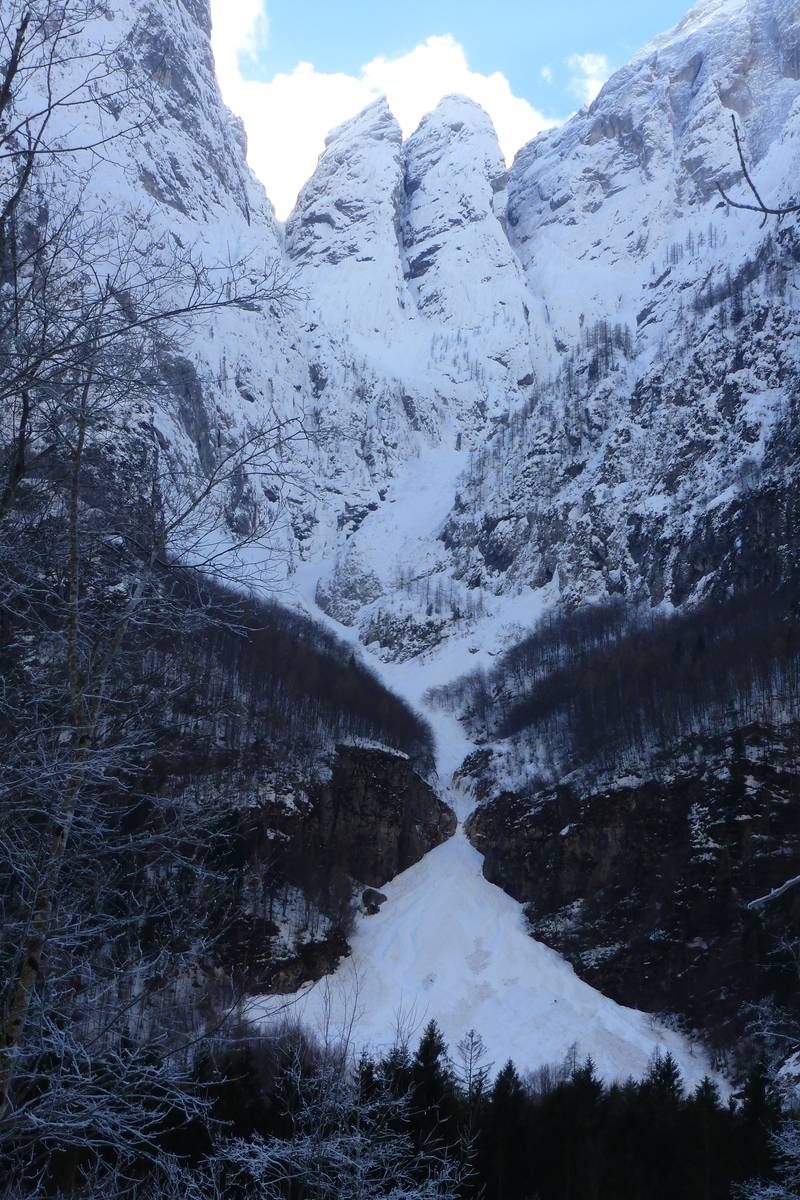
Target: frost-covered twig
[775, 893]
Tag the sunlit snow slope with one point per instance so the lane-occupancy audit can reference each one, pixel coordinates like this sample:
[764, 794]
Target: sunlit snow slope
[448, 944]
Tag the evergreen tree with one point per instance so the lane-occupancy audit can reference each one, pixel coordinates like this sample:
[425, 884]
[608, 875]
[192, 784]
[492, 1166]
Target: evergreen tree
[761, 1112]
[395, 1069]
[433, 1084]
[505, 1158]
[584, 1144]
[663, 1081]
[662, 1098]
[367, 1080]
[704, 1135]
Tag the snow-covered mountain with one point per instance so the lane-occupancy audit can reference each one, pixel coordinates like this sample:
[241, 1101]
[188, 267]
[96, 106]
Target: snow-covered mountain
[572, 378]
[641, 465]
[576, 367]
[597, 353]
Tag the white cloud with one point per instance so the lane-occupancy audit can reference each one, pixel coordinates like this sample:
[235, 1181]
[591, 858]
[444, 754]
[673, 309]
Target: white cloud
[288, 118]
[241, 29]
[547, 74]
[590, 72]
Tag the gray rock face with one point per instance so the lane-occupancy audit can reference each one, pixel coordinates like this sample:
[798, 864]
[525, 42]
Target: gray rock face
[672, 485]
[376, 817]
[643, 884]
[594, 202]
[460, 265]
[191, 156]
[299, 852]
[344, 231]
[349, 589]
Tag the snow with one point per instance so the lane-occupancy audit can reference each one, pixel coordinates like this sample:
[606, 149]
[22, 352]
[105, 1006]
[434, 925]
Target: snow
[431, 291]
[700, 16]
[449, 945]
[410, 304]
[775, 893]
[413, 370]
[403, 531]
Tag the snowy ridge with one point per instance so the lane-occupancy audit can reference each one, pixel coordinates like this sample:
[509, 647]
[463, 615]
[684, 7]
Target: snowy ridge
[620, 182]
[698, 18]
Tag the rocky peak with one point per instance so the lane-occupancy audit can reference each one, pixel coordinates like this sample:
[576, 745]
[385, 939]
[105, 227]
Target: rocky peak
[594, 203]
[344, 230]
[182, 182]
[453, 222]
[375, 123]
[459, 135]
[460, 267]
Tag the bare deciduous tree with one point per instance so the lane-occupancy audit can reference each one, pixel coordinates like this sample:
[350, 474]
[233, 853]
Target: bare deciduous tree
[344, 1145]
[786, 1145]
[97, 515]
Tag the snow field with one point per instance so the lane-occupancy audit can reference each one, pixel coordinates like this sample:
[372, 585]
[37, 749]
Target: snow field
[449, 945]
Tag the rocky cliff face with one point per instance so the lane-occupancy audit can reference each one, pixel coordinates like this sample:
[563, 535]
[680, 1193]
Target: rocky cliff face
[295, 851]
[344, 233]
[668, 431]
[659, 485]
[644, 883]
[376, 816]
[594, 204]
[421, 332]
[460, 266]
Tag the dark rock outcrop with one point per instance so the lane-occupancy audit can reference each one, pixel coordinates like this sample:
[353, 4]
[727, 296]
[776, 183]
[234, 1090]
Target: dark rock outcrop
[644, 884]
[372, 901]
[308, 853]
[311, 961]
[376, 816]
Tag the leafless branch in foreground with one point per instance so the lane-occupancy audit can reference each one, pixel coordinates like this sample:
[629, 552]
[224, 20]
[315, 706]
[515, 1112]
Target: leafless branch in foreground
[760, 206]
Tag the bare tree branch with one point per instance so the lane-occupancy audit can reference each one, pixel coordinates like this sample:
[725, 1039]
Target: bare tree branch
[759, 206]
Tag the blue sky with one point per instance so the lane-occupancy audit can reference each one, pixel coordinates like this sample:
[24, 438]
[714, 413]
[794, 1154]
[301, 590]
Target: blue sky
[516, 37]
[293, 69]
